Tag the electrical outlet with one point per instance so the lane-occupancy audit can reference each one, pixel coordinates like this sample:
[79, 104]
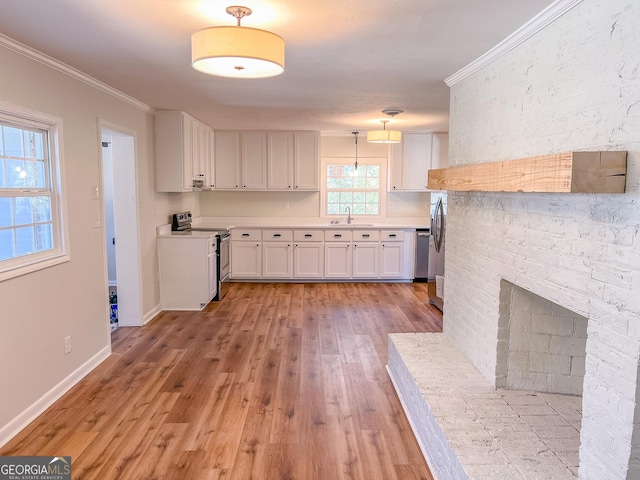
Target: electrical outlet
[67, 345]
[97, 222]
[95, 192]
[426, 205]
[285, 205]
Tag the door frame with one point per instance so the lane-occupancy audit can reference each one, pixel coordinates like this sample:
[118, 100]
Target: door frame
[126, 223]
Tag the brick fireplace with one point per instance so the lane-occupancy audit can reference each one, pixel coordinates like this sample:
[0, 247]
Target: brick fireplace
[573, 85]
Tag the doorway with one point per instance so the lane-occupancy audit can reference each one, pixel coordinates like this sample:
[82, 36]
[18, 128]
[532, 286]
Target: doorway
[120, 226]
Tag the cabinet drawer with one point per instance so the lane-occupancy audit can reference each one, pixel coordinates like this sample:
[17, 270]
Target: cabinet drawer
[276, 235]
[245, 234]
[366, 235]
[308, 235]
[391, 235]
[337, 235]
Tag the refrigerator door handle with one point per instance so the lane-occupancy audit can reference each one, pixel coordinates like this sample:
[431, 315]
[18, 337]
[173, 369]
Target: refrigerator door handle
[438, 221]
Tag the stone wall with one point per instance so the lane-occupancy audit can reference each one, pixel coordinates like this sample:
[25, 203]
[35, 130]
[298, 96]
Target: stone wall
[575, 85]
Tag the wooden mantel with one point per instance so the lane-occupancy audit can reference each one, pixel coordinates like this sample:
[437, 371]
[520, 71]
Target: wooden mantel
[569, 172]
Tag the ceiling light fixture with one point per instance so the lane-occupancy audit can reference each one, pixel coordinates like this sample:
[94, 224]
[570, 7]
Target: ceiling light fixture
[384, 135]
[236, 51]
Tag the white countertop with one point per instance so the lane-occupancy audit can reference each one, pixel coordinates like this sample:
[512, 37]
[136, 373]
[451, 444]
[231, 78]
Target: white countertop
[219, 223]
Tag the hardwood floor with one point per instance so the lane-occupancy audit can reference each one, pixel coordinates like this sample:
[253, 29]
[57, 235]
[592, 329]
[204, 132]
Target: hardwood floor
[277, 381]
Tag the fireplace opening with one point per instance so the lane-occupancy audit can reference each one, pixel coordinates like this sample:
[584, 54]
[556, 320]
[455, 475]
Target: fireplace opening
[545, 346]
[541, 354]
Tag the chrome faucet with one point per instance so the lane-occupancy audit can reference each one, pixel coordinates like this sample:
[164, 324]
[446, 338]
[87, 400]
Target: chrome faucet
[348, 210]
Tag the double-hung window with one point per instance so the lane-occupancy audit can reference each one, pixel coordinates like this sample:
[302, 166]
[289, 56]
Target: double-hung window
[361, 189]
[31, 219]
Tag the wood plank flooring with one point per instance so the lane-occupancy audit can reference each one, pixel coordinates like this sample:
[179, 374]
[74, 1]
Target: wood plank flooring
[276, 381]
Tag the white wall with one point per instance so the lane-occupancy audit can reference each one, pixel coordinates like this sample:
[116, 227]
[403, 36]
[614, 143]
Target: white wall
[39, 309]
[307, 204]
[573, 86]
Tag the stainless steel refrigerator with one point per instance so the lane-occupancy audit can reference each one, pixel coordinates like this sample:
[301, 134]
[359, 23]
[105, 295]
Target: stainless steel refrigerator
[435, 284]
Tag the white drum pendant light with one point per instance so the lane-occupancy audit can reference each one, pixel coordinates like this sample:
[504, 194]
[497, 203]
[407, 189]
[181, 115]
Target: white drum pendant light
[384, 135]
[237, 52]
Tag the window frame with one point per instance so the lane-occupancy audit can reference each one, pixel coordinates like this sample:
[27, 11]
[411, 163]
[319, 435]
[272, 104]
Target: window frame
[24, 118]
[382, 191]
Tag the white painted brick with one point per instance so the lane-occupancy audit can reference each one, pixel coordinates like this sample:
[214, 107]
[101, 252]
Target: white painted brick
[574, 85]
[547, 363]
[577, 366]
[570, 346]
[544, 323]
[530, 343]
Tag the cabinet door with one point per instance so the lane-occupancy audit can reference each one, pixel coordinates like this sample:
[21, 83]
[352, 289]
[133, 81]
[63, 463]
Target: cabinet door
[416, 160]
[277, 260]
[308, 260]
[213, 275]
[306, 166]
[280, 160]
[200, 151]
[365, 260]
[254, 160]
[187, 152]
[392, 260]
[395, 167]
[227, 157]
[246, 260]
[440, 151]
[212, 159]
[337, 260]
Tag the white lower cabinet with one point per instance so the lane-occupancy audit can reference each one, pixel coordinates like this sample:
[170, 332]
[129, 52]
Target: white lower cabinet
[392, 260]
[277, 260]
[335, 254]
[246, 260]
[308, 260]
[337, 260]
[187, 268]
[392, 254]
[365, 259]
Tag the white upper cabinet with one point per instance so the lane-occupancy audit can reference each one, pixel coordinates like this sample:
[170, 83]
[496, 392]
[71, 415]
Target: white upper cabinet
[440, 151]
[240, 160]
[280, 160]
[411, 160]
[254, 160]
[306, 165]
[227, 160]
[267, 160]
[183, 154]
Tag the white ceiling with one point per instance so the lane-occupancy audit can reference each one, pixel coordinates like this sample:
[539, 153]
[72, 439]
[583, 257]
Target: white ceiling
[346, 60]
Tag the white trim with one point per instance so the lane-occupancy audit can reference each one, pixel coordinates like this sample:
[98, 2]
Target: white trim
[14, 427]
[30, 263]
[528, 30]
[151, 314]
[33, 54]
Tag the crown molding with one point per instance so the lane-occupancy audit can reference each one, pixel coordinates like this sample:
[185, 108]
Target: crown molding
[33, 54]
[528, 30]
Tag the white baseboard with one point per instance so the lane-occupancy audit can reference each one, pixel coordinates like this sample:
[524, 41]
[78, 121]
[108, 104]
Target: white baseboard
[150, 315]
[14, 427]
